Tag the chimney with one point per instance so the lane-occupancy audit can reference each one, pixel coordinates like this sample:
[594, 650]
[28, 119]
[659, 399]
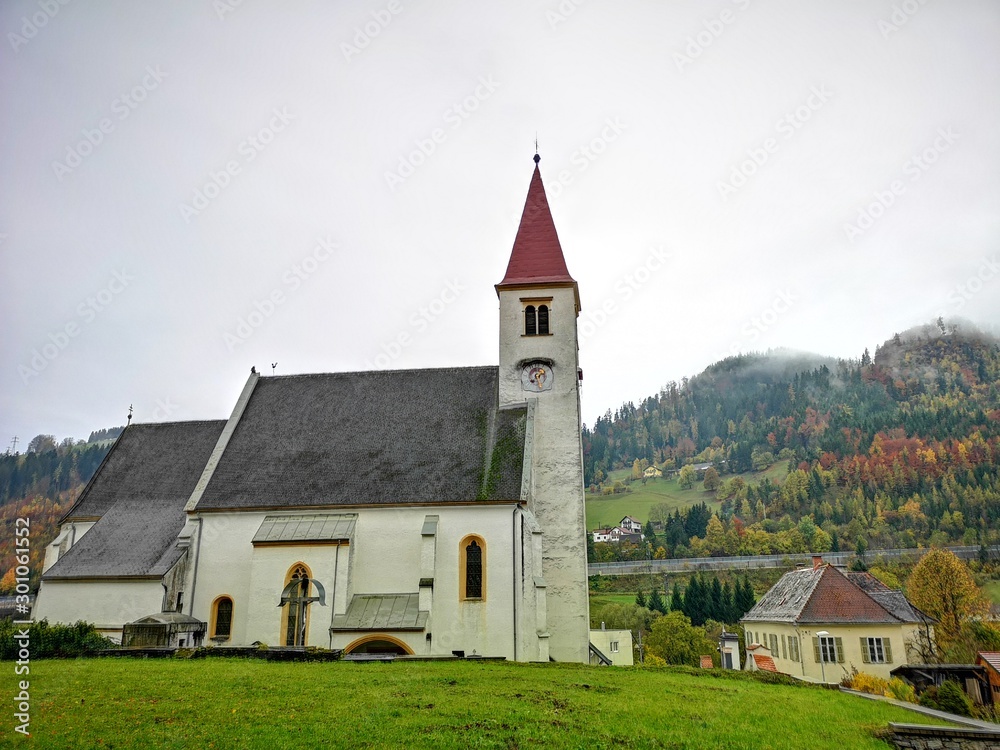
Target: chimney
[817, 561]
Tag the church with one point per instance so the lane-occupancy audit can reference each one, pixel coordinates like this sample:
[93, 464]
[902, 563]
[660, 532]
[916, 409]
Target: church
[419, 512]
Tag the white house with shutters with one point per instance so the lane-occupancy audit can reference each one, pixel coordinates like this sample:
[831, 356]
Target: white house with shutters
[817, 623]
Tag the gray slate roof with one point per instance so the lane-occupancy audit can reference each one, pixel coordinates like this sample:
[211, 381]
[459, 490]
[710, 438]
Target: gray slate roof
[381, 612]
[382, 437]
[785, 600]
[148, 462]
[139, 493]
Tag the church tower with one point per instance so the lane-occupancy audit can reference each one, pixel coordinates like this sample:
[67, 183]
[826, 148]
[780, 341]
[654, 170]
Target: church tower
[539, 364]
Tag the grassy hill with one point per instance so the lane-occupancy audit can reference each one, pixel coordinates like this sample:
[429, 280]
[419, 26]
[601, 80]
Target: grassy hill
[608, 510]
[254, 704]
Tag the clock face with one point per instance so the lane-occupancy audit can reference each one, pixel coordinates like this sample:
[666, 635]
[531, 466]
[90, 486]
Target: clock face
[536, 377]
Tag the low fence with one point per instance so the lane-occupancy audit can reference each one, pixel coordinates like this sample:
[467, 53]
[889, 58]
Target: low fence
[748, 562]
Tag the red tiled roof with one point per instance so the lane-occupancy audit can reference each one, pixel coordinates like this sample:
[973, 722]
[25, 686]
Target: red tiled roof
[836, 599]
[537, 257]
[706, 661]
[765, 663]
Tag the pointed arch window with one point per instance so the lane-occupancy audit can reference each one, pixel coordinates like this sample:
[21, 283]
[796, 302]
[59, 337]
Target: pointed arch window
[472, 568]
[294, 629]
[222, 619]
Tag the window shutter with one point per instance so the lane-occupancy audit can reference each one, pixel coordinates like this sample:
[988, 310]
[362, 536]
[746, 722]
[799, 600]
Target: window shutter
[864, 651]
[784, 653]
[839, 643]
[816, 648]
[888, 650]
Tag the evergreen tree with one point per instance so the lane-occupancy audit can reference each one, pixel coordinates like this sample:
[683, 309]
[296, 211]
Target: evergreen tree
[655, 601]
[715, 608]
[730, 615]
[649, 533]
[640, 598]
[676, 601]
[696, 601]
[744, 598]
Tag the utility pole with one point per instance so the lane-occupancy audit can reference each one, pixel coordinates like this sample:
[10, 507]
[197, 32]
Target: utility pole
[12, 451]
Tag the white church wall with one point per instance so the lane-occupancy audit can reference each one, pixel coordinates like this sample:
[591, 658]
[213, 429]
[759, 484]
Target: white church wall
[107, 604]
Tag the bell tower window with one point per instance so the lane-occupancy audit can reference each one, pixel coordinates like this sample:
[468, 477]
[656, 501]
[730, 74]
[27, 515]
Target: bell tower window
[536, 316]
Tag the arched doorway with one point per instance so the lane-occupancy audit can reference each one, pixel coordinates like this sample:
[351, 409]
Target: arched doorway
[378, 644]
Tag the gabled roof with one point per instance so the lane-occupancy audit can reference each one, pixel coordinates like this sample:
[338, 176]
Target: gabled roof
[149, 462]
[537, 257]
[990, 659]
[371, 438]
[825, 595]
[139, 494]
[764, 663]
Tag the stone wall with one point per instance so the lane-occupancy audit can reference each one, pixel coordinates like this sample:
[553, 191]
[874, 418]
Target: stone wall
[925, 737]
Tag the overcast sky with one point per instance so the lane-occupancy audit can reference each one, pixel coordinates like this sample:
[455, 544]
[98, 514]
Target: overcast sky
[192, 188]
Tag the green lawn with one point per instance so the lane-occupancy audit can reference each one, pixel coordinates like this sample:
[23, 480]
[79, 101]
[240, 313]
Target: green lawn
[608, 510]
[599, 600]
[225, 703]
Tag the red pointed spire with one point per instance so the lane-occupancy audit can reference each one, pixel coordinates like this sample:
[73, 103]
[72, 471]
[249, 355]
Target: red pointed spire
[537, 258]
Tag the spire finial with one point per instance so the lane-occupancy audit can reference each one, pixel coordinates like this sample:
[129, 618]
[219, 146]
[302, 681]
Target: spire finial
[537, 157]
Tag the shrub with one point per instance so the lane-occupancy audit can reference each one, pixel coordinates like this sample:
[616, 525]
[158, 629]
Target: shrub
[869, 683]
[47, 641]
[953, 699]
[901, 691]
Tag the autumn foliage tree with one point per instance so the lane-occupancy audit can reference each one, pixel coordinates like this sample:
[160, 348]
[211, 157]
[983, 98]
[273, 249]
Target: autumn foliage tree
[942, 587]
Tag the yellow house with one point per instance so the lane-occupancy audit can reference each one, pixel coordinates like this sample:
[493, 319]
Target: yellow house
[818, 623]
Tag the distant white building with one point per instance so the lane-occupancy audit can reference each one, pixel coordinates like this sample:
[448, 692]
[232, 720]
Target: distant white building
[615, 645]
[630, 525]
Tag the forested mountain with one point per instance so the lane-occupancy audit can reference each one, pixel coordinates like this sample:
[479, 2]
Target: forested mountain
[899, 448]
[40, 485]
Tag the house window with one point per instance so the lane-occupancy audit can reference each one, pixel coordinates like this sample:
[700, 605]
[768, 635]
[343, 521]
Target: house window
[222, 618]
[180, 601]
[793, 648]
[472, 568]
[530, 321]
[614, 647]
[828, 649]
[876, 651]
[749, 637]
[543, 320]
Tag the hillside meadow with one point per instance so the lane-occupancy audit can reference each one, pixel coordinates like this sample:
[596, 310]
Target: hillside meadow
[607, 510]
[228, 703]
